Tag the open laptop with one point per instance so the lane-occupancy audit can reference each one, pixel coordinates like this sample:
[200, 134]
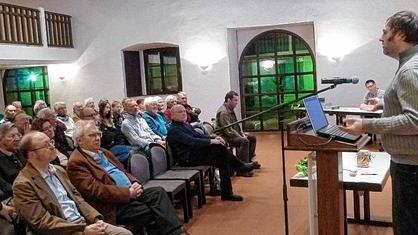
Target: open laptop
[320, 123]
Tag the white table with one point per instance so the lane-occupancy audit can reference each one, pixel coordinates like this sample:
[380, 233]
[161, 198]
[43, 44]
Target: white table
[368, 179]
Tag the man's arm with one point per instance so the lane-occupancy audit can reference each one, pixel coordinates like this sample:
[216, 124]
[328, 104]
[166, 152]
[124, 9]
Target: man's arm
[405, 123]
[224, 119]
[89, 213]
[133, 137]
[29, 206]
[90, 186]
[177, 134]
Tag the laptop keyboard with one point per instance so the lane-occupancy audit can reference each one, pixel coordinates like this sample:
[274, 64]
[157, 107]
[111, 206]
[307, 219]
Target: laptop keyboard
[335, 131]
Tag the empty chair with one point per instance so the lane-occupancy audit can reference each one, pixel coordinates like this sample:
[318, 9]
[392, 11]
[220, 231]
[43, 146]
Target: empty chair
[140, 168]
[160, 171]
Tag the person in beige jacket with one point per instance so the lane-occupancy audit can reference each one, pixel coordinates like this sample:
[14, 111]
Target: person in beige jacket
[45, 198]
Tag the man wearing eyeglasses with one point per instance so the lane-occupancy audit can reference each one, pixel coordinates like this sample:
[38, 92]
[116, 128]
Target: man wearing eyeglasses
[46, 199]
[373, 98]
[118, 195]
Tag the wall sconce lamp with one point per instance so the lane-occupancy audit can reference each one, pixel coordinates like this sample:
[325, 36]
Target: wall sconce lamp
[205, 68]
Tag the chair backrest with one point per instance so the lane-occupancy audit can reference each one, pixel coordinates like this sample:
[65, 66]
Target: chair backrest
[139, 167]
[170, 156]
[158, 160]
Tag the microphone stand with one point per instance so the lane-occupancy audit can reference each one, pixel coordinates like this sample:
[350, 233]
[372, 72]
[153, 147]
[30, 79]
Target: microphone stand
[278, 107]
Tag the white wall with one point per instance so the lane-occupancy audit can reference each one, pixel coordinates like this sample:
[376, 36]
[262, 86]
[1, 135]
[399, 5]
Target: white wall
[103, 27]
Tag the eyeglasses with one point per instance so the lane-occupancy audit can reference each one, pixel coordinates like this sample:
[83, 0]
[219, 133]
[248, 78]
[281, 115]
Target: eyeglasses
[14, 136]
[94, 135]
[51, 145]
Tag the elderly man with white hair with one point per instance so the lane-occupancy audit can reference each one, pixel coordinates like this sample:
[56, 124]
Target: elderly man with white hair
[118, 195]
[38, 106]
[9, 113]
[61, 110]
[136, 129]
[17, 104]
[77, 106]
[154, 119]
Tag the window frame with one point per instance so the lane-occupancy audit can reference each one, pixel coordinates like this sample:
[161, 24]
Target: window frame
[252, 47]
[165, 51]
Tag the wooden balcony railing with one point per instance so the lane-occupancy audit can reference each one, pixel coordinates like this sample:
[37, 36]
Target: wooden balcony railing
[58, 28]
[22, 25]
[19, 25]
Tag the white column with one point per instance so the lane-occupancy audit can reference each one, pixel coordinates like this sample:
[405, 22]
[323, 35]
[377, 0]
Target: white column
[42, 23]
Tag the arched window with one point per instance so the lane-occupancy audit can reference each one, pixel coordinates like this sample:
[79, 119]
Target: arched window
[26, 85]
[275, 67]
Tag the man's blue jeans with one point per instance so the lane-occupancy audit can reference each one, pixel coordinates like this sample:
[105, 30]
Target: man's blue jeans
[404, 198]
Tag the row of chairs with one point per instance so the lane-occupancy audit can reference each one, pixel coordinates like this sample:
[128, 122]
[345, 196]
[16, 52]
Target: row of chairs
[158, 169]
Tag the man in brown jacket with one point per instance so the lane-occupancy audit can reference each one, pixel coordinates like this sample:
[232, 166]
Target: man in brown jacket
[45, 198]
[118, 195]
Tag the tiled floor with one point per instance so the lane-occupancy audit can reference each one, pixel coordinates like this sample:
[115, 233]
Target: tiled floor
[262, 211]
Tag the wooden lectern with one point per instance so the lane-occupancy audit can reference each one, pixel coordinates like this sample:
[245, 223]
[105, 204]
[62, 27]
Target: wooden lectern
[330, 191]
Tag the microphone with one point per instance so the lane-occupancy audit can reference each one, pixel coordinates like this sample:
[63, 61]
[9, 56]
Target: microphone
[339, 80]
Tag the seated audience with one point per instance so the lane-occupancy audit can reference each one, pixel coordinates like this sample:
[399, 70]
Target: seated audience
[46, 199]
[9, 113]
[192, 113]
[77, 106]
[17, 104]
[22, 123]
[11, 162]
[373, 99]
[136, 129]
[38, 106]
[190, 148]
[61, 111]
[61, 141]
[245, 142]
[117, 114]
[119, 196]
[113, 138]
[170, 101]
[45, 126]
[155, 120]
[89, 103]
[88, 113]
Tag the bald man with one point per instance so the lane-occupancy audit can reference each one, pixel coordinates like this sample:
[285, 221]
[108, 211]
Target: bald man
[191, 148]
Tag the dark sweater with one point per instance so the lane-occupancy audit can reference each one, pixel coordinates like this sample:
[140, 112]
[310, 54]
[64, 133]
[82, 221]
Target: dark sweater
[184, 140]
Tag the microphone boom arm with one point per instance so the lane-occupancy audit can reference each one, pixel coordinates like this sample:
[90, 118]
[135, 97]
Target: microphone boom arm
[279, 106]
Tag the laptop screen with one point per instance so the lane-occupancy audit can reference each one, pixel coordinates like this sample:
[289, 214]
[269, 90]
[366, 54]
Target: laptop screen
[315, 112]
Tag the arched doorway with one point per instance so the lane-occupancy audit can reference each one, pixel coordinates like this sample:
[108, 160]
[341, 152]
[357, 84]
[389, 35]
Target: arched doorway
[275, 67]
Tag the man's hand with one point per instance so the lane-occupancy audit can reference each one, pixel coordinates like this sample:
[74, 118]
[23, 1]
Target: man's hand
[368, 107]
[94, 229]
[373, 100]
[135, 190]
[160, 142]
[220, 139]
[215, 141]
[7, 212]
[353, 126]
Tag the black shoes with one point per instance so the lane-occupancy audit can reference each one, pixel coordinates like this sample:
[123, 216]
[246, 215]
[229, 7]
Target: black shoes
[247, 167]
[233, 197]
[256, 165]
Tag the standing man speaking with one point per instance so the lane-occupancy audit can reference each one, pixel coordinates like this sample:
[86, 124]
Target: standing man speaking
[399, 123]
